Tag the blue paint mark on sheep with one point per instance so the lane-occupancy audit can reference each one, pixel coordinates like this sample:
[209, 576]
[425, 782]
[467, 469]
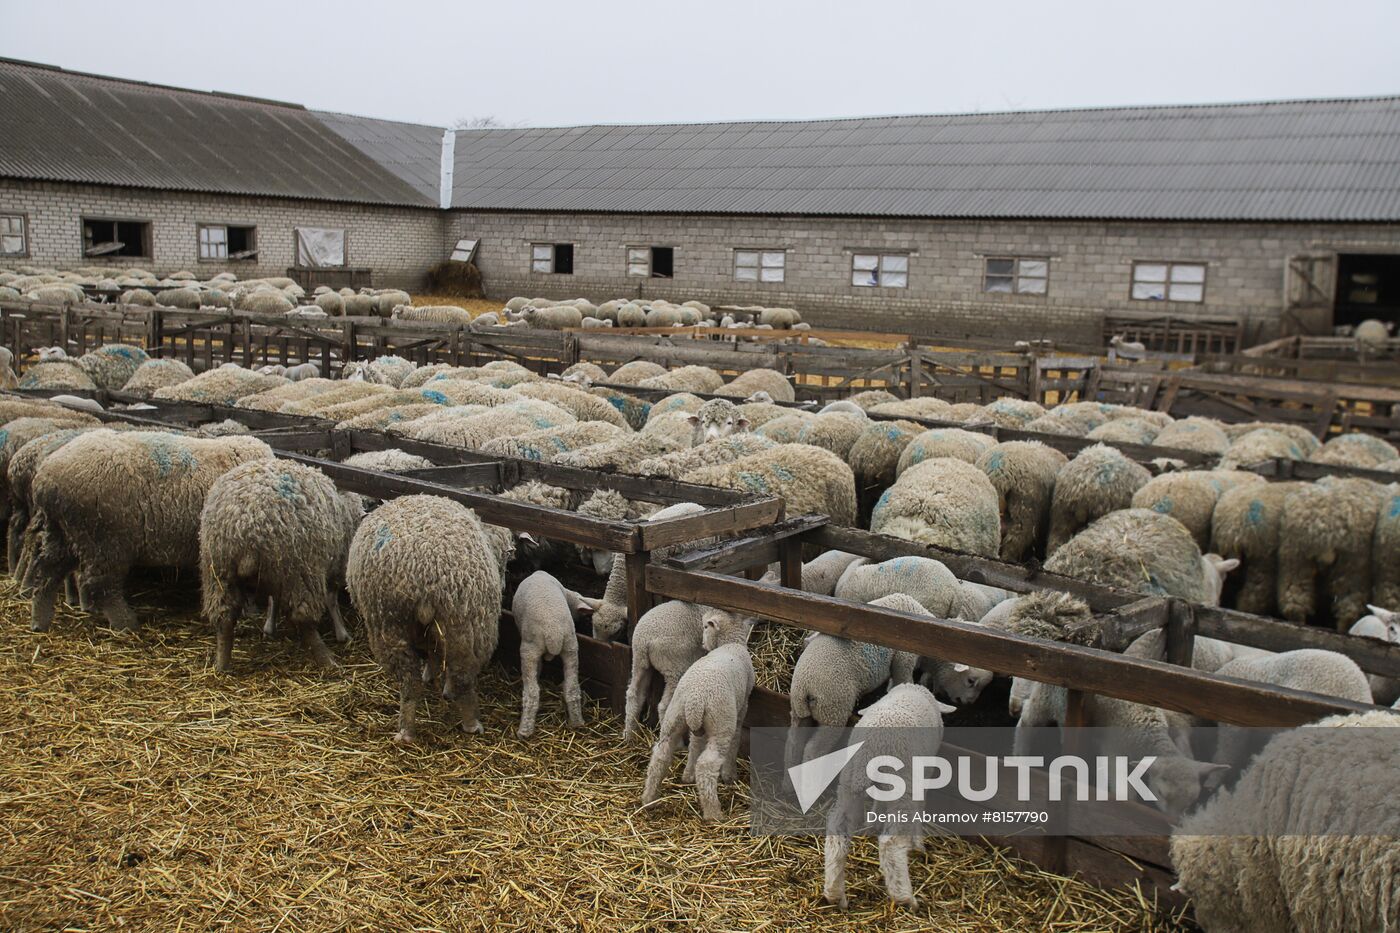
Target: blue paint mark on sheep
[167, 456]
[782, 473]
[1254, 515]
[1163, 505]
[4, 437]
[1394, 510]
[995, 461]
[129, 353]
[435, 396]
[880, 504]
[382, 537]
[287, 487]
[877, 659]
[754, 481]
[892, 433]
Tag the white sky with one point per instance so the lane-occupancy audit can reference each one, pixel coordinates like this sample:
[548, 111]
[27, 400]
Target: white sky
[550, 63]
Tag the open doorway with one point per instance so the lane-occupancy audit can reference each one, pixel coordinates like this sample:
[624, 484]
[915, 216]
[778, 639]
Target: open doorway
[1368, 286]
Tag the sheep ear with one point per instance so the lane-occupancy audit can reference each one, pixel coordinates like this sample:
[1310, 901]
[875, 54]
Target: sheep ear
[1380, 612]
[1212, 776]
[1223, 564]
[960, 668]
[527, 538]
[553, 376]
[945, 708]
[742, 424]
[693, 419]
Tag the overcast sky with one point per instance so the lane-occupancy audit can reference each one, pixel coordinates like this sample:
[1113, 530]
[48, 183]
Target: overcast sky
[549, 63]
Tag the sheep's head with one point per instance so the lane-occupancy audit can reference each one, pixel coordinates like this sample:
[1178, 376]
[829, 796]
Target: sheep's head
[609, 619]
[1178, 783]
[1390, 619]
[721, 627]
[962, 684]
[272, 369]
[715, 419]
[759, 397]
[1215, 568]
[52, 354]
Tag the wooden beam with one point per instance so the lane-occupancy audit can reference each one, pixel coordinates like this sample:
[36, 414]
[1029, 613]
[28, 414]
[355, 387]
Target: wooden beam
[728, 520]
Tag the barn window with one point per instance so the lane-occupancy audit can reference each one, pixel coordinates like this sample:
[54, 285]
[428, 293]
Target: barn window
[1008, 275]
[555, 258]
[1169, 281]
[887, 270]
[320, 247]
[14, 236]
[755, 265]
[103, 237]
[657, 262]
[225, 242]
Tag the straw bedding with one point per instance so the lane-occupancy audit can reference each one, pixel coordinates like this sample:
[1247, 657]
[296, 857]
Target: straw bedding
[141, 790]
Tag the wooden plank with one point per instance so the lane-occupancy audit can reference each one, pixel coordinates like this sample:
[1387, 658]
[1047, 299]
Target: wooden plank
[1371, 655]
[738, 553]
[460, 474]
[1091, 670]
[728, 520]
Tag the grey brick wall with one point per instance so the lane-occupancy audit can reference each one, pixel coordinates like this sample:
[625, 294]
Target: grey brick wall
[397, 243]
[1090, 266]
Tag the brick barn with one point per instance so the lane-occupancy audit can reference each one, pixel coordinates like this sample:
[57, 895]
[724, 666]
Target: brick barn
[1285, 215]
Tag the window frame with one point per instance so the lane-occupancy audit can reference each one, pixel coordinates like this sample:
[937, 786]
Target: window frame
[651, 262]
[760, 253]
[148, 236]
[201, 226]
[553, 257]
[1015, 275]
[1167, 282]
[24, 234]
[344, 246]
[881, 255]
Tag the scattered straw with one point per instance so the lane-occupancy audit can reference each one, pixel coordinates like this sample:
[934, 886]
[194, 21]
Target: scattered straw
[142, 791]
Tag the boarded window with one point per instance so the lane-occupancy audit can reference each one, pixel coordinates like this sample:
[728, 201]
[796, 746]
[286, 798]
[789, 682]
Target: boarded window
[760, 265]
[1015, 275]
[127, 238]
[886, 270]
[320, 247]
[1169, 281]
[223, 242]
[657, 262]
[552, 258]
[14, 236]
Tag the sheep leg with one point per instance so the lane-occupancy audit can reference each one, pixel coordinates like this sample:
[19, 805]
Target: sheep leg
[667, 691]
[573, 693]
[342, 634]
[707, 771]
[409, 690]
[530, 656]
[465, 704]
[697, 744]
[796, 740]
[223, 642]
[836, 848]
[637, 689]
[894, 866]
[14, 540]
[270, 625]
[731, 757]
[70, 591]
[1256, 592]
[311, 641]
[113, 605]
[1297, 589]
[661, 754]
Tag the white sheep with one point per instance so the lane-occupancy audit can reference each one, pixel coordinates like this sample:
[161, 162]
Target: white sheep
[545, 613]
[715, 419]
[1120, 346]
[708, 707]
[1382, 624]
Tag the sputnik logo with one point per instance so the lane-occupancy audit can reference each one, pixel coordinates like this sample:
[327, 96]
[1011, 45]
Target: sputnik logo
[811, 778]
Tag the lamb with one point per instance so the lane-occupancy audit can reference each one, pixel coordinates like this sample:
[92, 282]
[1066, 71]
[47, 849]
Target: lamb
[811, 481]
[1356, 450]
[307, 311]
[1190, 497]
[1373, 334]
[1325, 538]
[137, 296]
[1023, 474]
[1321, 856]
[715, 419]
[668, 639]
[1245, 526]
[886, 728]
[108, 501]
[950, 505]
[303, 371]
[557, 317]
[686, 379]
[778, 386]
[1384, 625]
[280, 530]
[821, 574]
[708, 707]
[944, 442]
[58, 374]
[1120, 347]
[545, 613]
[263, 301]
[1099, 480]
[874, 457]
[831, 676]
[331, 303]
[110, 366]
[1143, 552]
[436, 314]
[425, 578]
[224, 428]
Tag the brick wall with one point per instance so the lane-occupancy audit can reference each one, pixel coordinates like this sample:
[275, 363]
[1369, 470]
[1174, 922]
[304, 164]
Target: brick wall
[397, 243]
[1090, 266]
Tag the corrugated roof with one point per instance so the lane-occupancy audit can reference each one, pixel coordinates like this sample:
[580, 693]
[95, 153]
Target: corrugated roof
[1324, 160]
[68, 126]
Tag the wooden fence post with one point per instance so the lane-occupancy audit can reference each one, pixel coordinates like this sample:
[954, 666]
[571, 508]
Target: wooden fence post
[1181, 632]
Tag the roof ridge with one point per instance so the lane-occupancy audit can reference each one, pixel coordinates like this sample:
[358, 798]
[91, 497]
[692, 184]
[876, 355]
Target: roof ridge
[226, 95]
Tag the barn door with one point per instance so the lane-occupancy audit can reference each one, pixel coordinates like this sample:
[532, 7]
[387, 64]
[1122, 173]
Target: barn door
[1309, 289]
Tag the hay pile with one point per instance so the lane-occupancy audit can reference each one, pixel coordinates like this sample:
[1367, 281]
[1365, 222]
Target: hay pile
[142, 791]
[461, 279]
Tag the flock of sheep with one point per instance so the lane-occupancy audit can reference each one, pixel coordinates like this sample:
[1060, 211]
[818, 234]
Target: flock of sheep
[86, 502]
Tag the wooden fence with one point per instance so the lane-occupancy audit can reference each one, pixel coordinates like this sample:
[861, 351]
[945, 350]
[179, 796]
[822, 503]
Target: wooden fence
[1176, 334]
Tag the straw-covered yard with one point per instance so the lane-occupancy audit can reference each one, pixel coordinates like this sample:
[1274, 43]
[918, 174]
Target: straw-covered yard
[140, 790]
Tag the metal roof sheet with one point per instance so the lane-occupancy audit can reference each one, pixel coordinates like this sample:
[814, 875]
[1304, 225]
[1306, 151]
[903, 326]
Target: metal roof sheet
[1326, 160]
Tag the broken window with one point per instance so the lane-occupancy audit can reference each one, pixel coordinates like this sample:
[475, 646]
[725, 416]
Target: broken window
[1017, 275]
[751, 265]
[127, 238]
[1169, 281]
[225, 242]
[887, 270]
[320, 247]
[14, 238]
[657, 262]
[552, 258]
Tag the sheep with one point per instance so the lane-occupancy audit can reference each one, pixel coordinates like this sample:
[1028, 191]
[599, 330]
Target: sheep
[716, 419]
[57, 294]
[1318, 853]
[110, 366]
[387, 370]
[137, 296]
[545, 613]
[476, 429]
[1059, 423]
[1143, 552]
[306, 397]
[786, 428]
[262, 302]
[836, 432]
[874, 456]
[58, 374]
[724, 450]
[1125, 431]
[610, 505]
[760, 412]
[811, 481]
[387, 300]
[905, 723]
[821, 574]
[1355, 450]
[611, 615]
[1258, 446]
[557, 317]
[426, 579]
[1120, 347]
[778, 386]
[444, 391]
[780, 318]
[307, 311]
[1245, 525]
[331, 303]
[1385, 549]
[1190, 497]
[686, 379]
[225, 428]
[24, 460]
[436, 314]
[1097, 481]
[219, 387]
[1200, 434]
[631, 315]
[545, 445]
[580, 404]
[951, 504]
[1384, 625]
[360, 305]
[1373, 334]
[1324, 556]
[108, 501]
[943, 442]
[1012, 412]
[634, 411]
[667, 640]
[708, 707]
[19, 432]
[1023, 474]
[391, 460]
[631, 374]
[623, 453]
[280, 530]
[831, 676]
[156, 374]
[925, 406]
[1305, 439]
